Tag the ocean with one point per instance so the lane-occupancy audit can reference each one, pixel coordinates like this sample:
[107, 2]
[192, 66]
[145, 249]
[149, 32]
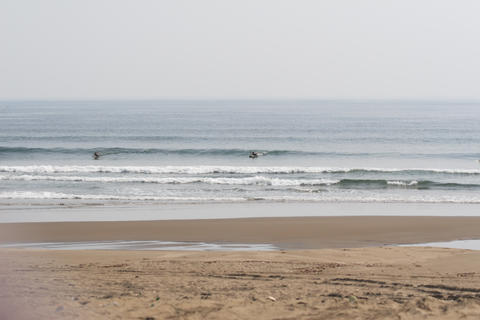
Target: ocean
[163, 152]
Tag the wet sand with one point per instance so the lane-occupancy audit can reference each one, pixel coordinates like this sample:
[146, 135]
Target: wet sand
[287, 233]
[335, 280]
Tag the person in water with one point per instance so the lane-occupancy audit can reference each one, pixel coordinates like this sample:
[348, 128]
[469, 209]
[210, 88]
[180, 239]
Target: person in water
[96, 155]
[253, 155]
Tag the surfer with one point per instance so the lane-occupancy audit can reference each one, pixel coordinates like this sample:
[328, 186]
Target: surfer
[96, 155]
[253, 155]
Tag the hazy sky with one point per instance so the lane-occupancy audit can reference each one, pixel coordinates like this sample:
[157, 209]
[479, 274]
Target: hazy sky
[240, 49]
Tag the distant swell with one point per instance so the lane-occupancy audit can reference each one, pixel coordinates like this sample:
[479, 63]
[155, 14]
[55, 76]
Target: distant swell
[236, 152]
[185, 152]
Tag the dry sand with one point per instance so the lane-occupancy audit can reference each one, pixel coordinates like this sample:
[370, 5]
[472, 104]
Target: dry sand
[361, 283]
[358, 283]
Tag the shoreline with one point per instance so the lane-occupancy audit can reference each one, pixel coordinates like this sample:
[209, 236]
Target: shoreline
[82, 212]
[282, 232]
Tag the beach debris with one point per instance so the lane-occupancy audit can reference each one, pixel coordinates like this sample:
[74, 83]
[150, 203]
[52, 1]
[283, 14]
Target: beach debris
[127, 284]
[271, 298]
[59, 308]
[205, 295]
[423, 304]
[352, 299]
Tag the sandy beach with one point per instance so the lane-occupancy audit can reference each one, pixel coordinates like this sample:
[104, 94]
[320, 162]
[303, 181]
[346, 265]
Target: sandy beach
[366, 283]
[237, 160]
[327, 267]
[285, 233]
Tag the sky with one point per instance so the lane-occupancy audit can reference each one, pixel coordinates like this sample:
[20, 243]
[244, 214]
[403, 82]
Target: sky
[239, 49]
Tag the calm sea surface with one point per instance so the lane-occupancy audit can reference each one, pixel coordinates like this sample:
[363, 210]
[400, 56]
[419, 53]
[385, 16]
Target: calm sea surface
[198, 151]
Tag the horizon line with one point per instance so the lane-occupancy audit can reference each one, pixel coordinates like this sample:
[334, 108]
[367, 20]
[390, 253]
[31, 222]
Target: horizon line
[212, 99]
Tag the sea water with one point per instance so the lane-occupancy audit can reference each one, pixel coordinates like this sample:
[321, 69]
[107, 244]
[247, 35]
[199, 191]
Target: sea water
[164, 152]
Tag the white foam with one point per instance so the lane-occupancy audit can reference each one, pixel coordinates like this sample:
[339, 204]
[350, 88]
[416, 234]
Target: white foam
[256, 180]
[45, 195]
[46, 169]
[317, 197]
[403, 183]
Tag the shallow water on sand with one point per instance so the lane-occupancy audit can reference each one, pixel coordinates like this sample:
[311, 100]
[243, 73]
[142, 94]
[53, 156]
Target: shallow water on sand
[149, 212]
[457, 244]
[142, 245]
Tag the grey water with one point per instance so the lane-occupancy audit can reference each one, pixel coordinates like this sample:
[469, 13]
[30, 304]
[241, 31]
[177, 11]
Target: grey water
[146, 245]
[456, 244]
[198, 152]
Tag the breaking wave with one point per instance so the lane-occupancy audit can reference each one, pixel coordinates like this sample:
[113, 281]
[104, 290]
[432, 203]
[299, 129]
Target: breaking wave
[255, 180]
[48, 169]
[319, 197]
